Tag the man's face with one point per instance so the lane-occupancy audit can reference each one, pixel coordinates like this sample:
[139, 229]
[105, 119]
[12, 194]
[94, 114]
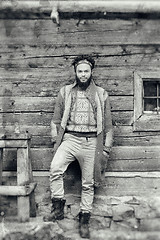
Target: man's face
[83, 72]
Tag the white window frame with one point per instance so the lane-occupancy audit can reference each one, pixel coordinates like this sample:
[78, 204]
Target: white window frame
[144, 120]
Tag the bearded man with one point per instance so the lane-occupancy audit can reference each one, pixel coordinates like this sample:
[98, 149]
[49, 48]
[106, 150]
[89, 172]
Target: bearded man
[81, 129]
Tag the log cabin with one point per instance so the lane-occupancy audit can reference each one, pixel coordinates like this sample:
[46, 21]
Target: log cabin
[38, 41]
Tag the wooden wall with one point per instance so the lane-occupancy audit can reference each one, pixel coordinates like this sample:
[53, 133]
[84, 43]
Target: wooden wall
[35, 61]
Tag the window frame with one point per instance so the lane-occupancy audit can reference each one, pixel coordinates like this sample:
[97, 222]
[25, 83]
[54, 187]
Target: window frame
[144, 120]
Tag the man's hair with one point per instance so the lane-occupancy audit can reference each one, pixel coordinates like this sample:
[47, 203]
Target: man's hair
[85, 58]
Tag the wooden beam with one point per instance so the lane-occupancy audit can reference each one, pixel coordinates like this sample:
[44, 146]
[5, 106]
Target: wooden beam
[13, 143]
[32, 9]
[17, 190]
[108, 6]
[81, 6]
[19, 140]
[23, 178]
[133, 174]
[104, 7]
[146, 174]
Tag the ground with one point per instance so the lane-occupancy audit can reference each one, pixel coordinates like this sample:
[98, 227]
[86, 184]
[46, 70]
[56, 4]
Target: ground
[113, 218]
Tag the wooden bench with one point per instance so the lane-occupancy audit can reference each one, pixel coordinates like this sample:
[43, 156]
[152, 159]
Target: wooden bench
[25, 185]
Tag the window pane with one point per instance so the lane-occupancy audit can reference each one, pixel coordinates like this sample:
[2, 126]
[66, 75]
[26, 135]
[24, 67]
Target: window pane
[150, 104]
[150, 88]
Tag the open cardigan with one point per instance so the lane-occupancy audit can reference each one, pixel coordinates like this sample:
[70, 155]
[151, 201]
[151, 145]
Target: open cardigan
[99, 100]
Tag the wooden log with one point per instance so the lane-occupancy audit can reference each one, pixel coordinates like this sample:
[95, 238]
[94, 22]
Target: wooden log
[38, 124]
[122, 131]
[103, 32]
[109, 6]
[28, 104]
[37, 50]
[113, 86]
[116, 184]
[137, 141]
[139, 165]
[122, 159]
[36, 9]
[141, 184]
[44, 118]
[124, 135]
[39, 104]
[26, 118]
[102, 6]
[38, 130]
[17, 190]
[120, 60]
[134, 174]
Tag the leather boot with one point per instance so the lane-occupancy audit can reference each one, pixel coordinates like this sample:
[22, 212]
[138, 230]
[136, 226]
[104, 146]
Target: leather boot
[84, 224]
[57, 210]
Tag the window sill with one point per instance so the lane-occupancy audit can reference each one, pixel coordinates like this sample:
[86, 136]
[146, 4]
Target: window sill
[147, 123]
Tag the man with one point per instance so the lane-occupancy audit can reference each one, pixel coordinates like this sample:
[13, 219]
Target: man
[81, 129]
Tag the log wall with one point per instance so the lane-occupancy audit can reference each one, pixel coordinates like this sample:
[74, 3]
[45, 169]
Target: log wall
[35, 61]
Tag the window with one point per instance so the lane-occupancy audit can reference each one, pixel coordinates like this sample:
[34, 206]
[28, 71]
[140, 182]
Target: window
[146, 101]
[151, 96]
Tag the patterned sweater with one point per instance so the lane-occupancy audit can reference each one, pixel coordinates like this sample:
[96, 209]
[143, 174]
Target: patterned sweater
[81, 118]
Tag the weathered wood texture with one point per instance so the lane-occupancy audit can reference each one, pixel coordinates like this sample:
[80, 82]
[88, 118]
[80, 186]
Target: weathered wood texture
[35, 61]
[1, 168]
[115, 186]
[128, 159]
[25, 187]
[17, 190]
[42, 8]
[1, 164]
[23, 177]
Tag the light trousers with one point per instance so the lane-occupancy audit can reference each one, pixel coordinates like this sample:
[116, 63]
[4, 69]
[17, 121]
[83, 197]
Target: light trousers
[71, 148]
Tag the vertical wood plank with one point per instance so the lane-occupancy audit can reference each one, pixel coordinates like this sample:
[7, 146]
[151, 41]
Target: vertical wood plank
[1, 168]
[1, 164]
[32, 195]
[138, 94]
[22, 179]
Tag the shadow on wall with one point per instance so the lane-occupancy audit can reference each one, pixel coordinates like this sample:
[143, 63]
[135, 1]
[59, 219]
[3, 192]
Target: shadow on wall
[72, 178]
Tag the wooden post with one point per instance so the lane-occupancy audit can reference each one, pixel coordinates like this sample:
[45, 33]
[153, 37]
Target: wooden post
[1, 164]
[17, 190]
[32, 195]
[23, 178]
[1, 168]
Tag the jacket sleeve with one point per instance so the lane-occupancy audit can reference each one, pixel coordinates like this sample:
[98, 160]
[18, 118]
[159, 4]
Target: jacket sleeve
[108, 128]
[57, 116]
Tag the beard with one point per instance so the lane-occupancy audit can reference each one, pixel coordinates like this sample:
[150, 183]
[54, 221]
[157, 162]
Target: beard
[83, 85]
